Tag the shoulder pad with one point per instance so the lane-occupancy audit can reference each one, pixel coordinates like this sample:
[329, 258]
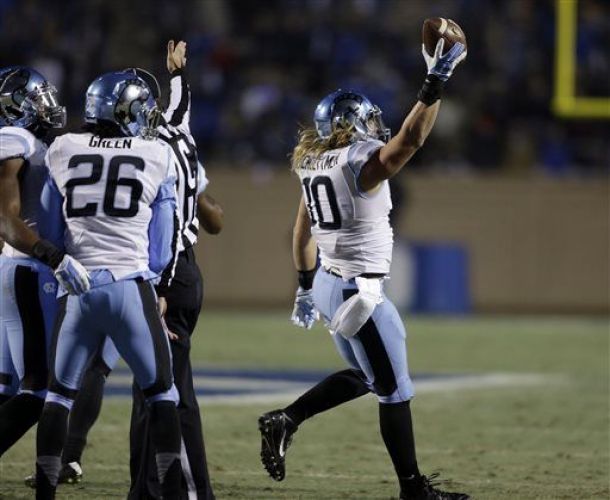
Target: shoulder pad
[16, 142]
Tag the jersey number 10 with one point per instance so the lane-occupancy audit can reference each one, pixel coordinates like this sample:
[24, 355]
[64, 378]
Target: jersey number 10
[113, 181]
[313, 189]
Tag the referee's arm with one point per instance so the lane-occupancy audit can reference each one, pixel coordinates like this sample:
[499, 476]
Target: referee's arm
[210, 214]
[178, 111]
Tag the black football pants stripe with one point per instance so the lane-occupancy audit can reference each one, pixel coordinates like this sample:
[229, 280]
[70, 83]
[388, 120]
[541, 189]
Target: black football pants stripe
[163, 362]
[35, 375]
[385, 380]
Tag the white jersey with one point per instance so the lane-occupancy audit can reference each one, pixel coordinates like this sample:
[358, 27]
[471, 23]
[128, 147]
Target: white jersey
[18, 142]
[108, 187]
[351, 228]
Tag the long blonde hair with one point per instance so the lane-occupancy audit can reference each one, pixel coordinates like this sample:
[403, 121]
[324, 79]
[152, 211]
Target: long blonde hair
[311, 145]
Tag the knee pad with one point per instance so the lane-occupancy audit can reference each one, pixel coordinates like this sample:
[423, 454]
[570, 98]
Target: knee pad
[355, 311]
[41, 394]
[402, 391]
[54, 397]
[169, 395]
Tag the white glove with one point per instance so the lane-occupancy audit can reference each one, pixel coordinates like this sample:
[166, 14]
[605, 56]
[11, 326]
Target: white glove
[72, 275]
[304, 313]
[442, 65]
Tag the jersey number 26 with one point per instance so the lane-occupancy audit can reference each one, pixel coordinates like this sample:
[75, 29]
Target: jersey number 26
[113, 181]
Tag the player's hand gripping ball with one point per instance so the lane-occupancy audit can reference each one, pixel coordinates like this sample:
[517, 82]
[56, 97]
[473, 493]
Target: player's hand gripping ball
[444, 46]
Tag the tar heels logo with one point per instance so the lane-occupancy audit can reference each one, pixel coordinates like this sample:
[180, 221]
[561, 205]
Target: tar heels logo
[50, 287]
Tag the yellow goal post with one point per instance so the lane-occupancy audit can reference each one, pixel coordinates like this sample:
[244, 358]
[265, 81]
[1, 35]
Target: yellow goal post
[566, 103]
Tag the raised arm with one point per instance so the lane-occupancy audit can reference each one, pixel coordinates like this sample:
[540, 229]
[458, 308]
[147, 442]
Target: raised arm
[178, 111]
[389, 159]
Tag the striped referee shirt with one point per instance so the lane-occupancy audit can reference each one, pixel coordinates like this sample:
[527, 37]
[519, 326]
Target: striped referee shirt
[191, 179]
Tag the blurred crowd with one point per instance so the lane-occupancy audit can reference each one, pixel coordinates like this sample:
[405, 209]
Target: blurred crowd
[258, 67]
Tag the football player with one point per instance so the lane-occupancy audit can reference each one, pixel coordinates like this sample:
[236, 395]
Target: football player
[344, 165]
[28, 110]
[182, 306]
[109, 189]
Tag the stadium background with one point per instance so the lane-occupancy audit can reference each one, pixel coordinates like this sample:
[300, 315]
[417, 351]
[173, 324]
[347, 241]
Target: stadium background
[503, 212]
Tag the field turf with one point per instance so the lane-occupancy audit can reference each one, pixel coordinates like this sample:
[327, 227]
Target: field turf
[547, 439]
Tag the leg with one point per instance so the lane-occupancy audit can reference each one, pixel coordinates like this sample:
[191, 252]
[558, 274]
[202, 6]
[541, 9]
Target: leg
[339, 387]
[9, 382]
[381, 350]
[378, 350]
[277, 427]
[142, 466]
[336, 389]
[184, 305]
[143, 344]
[74, 344]
[88, 403]
[8, 375]
[23, 321]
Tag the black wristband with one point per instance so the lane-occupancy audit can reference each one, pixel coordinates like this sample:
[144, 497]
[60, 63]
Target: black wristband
[431, 90]
[177, 72]
[306, 279]
[47, 253]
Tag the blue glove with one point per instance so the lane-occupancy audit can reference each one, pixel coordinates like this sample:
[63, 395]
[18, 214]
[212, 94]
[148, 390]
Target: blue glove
[304, 313]
[440, 65]
[72, 275]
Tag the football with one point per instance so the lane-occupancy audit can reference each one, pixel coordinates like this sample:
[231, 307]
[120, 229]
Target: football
[435, 28]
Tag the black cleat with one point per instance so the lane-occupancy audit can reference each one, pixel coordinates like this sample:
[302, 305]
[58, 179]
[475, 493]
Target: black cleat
[30, 481]
[276, 435]
[425, 488]
[69, 474]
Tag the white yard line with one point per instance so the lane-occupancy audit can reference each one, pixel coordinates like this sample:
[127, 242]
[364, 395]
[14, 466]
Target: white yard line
[276, 391]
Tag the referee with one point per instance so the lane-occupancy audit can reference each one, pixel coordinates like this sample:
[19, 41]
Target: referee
[180, 304]
[184, 299]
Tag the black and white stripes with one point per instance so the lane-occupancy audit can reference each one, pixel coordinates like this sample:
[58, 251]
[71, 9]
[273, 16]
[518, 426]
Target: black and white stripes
[176, 132]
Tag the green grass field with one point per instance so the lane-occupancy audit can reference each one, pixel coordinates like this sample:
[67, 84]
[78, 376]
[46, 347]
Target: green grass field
[540, 440]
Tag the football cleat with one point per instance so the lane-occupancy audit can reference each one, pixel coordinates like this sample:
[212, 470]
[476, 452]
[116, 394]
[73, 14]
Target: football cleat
[30, 481]
[276, 435]
[69, 474]
[425, 488]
